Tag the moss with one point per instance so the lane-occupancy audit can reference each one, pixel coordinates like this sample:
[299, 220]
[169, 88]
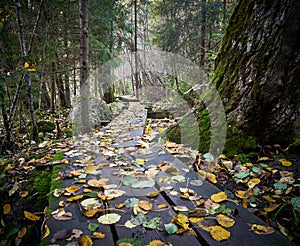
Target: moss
[59, 155]
[45, 126]
[55, 184]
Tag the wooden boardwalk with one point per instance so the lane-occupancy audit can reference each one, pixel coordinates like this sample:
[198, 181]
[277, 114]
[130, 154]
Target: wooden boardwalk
[115, 152]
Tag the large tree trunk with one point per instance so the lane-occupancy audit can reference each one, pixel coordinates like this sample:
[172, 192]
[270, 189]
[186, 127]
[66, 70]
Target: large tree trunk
[258, 72]
[84, 66]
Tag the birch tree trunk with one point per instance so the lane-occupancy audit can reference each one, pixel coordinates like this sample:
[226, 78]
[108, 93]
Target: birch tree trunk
[27, 74]
[84, 66]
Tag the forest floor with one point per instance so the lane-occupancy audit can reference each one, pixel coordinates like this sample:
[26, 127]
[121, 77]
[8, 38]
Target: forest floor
[268, 185]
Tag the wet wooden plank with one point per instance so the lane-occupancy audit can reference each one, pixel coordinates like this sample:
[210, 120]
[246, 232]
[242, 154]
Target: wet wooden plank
[240, 232]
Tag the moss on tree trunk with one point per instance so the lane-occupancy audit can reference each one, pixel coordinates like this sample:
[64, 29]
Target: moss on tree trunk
[257, 72]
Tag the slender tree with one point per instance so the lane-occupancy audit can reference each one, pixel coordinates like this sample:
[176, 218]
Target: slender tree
[27, 74]
[84, 65]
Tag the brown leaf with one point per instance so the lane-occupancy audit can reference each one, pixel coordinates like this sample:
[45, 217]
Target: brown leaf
[60, 235]
[62, 215]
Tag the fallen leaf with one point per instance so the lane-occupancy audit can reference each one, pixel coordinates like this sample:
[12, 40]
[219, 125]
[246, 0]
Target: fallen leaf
[6, 208]
[224, 220]
[153, 223]
[60, 235]
[243, 193]
[114, 193]
[129, 224]
[181, 220]
[91, 213]
[31, 216]
[211, 178]
[253, 182]
[72, 189]
[22, 232]
[145, 205]
[171, 228]
[99, 235]
[86, 241]
[93, 227]
[74, 198]
[109, 219]
[62, 215]
[219, 197]
[129, 241]
[156, 243]
[285, 162]
[260, 229]
[46, 232]
[89, 169]
[162, 206]
[24, 194]
[152, 194]
[91, 203]
[219, 233]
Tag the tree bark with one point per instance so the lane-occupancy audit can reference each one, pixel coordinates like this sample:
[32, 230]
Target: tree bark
[27, 74]
[84, 66]
[257, 72]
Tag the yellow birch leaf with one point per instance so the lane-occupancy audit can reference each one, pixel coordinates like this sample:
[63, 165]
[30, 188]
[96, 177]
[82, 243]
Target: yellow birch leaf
[86, 241]
[89, 169]
[125, 244]
[31, 216]
[93, 212]
[47, 232]
[181, 220]
[252, 182]
[224, 220]
[74, 198]
[219, 197]
[152, 194]
[98, 235]
[211, 178]
[243, 193]
[72, 189]
[140, 161]
[156, 243]
[271, 208]
[162, 205]
[219, 233]
[145, 205]
[24, 194]
[260, 229]
[22, 232]
[6, 208]
[285, 162]
[26, 65]
[75, 173]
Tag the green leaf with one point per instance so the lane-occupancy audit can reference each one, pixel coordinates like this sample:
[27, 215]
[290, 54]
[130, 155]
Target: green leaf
[153, 223]
[144, 184]
[93, 227]
[280, 186]
[139, 219]
[256, 170]
[131, 202]
[171, 228]
[221, 209]
[129, 180]
[131, 240]
[11, 229]
[241, 175]
[296, 201]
